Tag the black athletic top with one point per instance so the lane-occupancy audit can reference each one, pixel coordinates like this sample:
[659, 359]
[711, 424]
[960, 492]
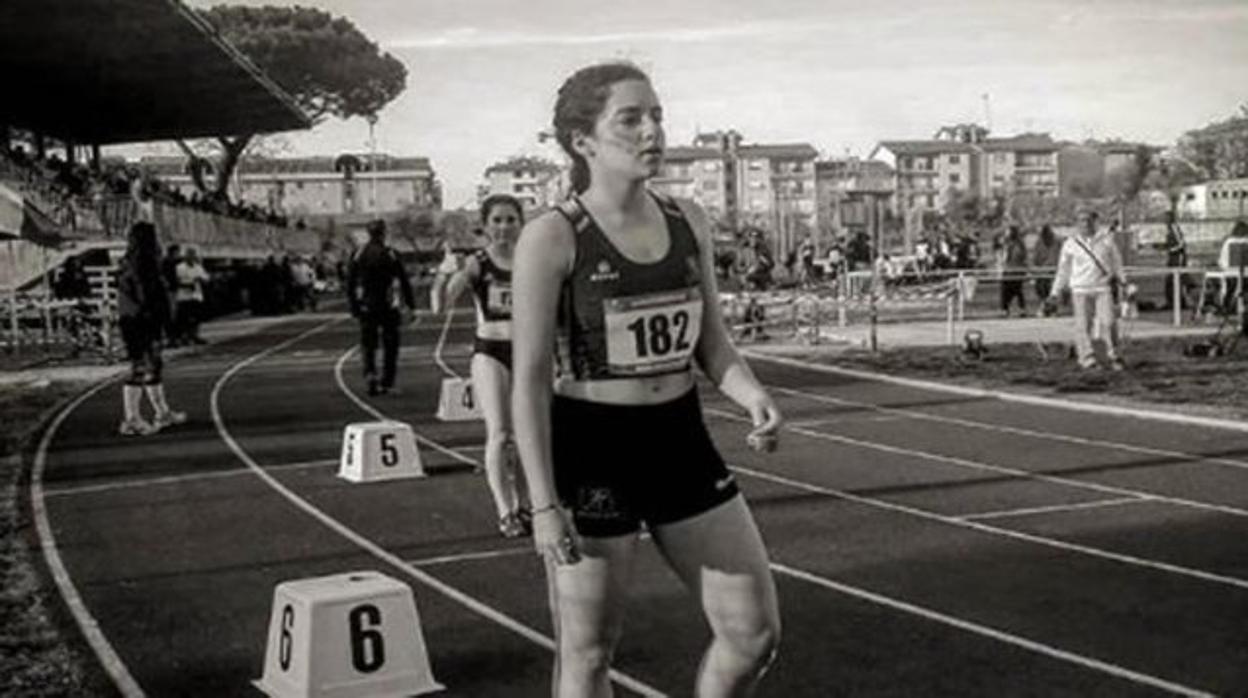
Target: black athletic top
[492, 289]
[376, 280]
[622, 319]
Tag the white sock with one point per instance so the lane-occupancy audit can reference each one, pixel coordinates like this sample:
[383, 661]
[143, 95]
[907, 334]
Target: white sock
[131, 400]
[156, 394]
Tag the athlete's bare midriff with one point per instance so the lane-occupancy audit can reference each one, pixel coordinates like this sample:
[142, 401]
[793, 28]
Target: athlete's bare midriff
[651, 390]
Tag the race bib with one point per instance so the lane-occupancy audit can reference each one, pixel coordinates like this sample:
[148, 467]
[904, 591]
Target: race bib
[498, 298]
[652, 333]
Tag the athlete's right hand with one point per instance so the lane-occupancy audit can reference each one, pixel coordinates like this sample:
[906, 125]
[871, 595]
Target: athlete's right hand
[554, 536]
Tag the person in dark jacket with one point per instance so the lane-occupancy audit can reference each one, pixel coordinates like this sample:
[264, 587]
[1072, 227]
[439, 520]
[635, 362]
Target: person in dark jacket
[143, 311]
[377, 291]
[169, 274]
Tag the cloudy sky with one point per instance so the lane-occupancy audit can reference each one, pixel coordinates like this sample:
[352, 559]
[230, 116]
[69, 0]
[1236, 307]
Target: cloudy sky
[839, 74]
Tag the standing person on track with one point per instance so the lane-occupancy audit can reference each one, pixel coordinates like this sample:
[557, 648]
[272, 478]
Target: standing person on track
[377, 291]
[488, 274]
[143, 312]
[1091, 265]
[621, 282]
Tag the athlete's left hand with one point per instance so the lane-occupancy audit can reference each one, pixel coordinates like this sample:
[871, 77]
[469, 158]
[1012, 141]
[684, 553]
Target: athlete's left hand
[767, 420]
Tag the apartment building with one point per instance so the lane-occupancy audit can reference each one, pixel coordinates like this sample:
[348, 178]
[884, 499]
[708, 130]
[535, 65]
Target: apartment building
[697, 173]
[845, 190]
[1218, 199]
[1023, 164]
[537, 183]
[927, 171]
[348, 187]
[768, 186]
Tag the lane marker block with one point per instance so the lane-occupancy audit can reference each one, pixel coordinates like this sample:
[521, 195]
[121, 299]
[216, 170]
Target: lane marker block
[377, 451]
[458, 402]
[345, 636]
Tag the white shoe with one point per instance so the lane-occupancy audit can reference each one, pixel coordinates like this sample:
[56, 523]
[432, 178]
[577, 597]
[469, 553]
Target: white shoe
[170, 418]
[137, 427]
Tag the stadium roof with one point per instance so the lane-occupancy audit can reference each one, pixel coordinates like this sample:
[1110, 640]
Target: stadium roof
[314, 165]
[117, 71]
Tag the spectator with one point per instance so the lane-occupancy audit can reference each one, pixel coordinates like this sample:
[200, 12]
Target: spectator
[836, 258]
[189, 294]
[1175, 248]
[1044, 260]
[169, 275]
[303, 278]
[806, 254]
[1012, 256]
[1090, 264]
[72, 282]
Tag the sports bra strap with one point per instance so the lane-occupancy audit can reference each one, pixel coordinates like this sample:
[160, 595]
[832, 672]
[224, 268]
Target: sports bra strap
[576, 214]
[668, 205]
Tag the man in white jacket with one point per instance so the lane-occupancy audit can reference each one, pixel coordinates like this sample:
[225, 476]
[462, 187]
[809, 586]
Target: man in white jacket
[1091, 266]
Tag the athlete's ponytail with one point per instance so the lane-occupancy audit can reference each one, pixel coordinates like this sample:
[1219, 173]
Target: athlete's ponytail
[580, 103]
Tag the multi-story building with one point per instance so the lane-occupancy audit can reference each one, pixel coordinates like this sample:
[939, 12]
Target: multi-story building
[927, 171]
[845, 191]
[1023, 164]
[1217, 199]
[769, 186]
[347, 189]
[698, 173]
[963, 158]
[537, 183]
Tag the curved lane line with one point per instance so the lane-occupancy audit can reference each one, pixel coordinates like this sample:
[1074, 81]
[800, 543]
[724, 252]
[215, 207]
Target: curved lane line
[873, 597]
[378, 414]
[372, 548]
[117, 670]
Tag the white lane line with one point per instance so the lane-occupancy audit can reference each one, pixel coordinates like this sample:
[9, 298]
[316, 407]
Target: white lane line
[194, 477]
[467, 557]
[362, 404]
[998, 635]
[1213, 423]
[116, 669]
[1056, 508]
[1000, 469]
[1021, 431]
[368, 545]
[998, 531]
[994, 634]
[178, 479]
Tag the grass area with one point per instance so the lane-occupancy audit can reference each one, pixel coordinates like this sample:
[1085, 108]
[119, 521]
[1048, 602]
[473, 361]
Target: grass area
[37, 658]
[1159, 374]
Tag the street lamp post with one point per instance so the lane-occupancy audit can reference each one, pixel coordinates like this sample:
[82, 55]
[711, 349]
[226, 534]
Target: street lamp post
[372, 160]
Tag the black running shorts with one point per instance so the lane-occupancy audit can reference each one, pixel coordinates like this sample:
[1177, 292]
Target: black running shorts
[618, 466]
[497, 349]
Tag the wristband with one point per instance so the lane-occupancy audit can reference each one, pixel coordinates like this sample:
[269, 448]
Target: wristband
[543, 510]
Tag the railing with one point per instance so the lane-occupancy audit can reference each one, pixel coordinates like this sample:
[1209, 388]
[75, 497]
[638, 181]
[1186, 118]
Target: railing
[36, 319]
[852, 297]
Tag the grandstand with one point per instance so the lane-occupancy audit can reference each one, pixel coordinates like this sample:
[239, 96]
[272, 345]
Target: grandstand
[87, 73]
